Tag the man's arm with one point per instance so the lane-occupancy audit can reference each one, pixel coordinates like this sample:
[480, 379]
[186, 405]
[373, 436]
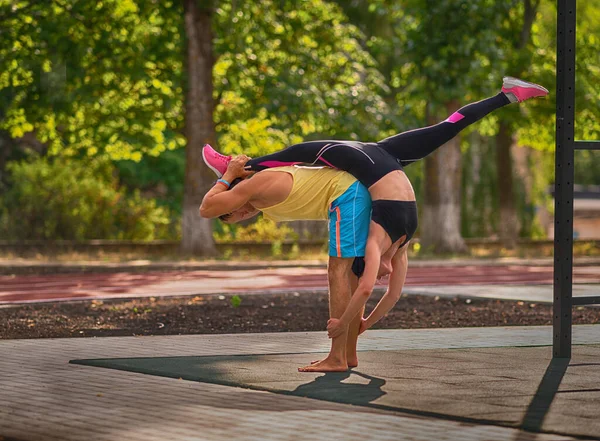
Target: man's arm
[394, 291]
[219, 201]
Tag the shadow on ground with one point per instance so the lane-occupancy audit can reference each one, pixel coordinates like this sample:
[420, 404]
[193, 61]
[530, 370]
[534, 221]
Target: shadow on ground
[518, 387]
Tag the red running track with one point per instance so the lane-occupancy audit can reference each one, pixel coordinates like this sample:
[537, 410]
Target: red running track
[61, 287]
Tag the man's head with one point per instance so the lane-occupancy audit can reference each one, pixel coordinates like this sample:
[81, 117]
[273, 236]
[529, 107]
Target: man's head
[241, 214]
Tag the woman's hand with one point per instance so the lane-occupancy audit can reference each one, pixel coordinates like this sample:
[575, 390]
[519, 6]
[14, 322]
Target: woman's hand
[335, 328]
[363, 326]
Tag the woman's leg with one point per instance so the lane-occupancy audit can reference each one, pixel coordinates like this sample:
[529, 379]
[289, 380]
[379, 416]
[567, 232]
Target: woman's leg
[416, 144]
[304, 153]
[363, 161]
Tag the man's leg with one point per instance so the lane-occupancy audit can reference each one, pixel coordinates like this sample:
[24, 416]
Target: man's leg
[354, 327]
[339, 297]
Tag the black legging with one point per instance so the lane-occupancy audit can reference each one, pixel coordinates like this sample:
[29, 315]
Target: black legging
[369, 162]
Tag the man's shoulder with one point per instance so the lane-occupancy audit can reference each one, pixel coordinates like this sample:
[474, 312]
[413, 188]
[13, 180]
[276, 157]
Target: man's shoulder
[263, 177]
[307, 172]
[268, 174]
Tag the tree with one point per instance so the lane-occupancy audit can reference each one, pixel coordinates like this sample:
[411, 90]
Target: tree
[442, 196]
[297, 67]
[451, 67]
[91, 78]
[294, 70]
[107, 79]
[537, 129]
[199, 126]
[516, 37]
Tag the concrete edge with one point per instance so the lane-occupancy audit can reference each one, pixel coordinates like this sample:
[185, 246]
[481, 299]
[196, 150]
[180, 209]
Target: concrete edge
[52, 267]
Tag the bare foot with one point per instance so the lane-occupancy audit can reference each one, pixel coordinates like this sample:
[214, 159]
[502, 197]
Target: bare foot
[352, 362]
[326, 365]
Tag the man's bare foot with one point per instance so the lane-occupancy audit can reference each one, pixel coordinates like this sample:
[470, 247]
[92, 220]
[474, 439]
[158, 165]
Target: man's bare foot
[327, 365]
[352, 362]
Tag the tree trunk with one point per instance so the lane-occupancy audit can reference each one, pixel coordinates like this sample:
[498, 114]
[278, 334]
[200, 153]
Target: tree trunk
[199, 128]
[471, 204]
[508, 229]
[441, 208]
[6, 148]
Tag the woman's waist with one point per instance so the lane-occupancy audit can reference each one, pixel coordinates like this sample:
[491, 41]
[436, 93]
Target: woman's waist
[393, 186]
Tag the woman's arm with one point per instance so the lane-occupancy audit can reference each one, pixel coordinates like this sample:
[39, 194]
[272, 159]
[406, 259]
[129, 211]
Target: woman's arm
[394, 291]
[336, 327]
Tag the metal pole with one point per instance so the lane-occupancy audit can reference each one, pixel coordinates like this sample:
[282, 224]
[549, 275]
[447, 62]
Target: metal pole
[564, 165]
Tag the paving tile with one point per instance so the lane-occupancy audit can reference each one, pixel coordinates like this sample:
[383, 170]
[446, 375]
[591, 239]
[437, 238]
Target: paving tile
[45, 398]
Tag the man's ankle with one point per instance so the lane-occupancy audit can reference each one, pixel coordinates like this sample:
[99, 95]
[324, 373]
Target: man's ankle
[337, 358]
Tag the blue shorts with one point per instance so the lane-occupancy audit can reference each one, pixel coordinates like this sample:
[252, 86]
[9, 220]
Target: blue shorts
[349, 218]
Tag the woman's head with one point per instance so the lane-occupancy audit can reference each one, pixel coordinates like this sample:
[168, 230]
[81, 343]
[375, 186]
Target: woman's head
[385, 265]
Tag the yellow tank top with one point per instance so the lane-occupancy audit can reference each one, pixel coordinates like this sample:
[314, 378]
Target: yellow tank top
[313, 191]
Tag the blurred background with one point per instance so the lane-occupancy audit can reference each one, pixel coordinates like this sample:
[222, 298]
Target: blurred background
[105, 105]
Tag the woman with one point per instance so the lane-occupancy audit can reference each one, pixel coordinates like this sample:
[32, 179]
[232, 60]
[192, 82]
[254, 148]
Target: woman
[371, 162]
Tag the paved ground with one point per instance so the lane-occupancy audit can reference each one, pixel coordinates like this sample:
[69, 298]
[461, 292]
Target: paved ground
[542, 293]
[431, 384]
[10, 266]
[499, 280]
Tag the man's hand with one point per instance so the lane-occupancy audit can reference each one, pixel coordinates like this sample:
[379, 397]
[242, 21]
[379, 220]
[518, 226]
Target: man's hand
[335, 328]
[363, 326]
[235, 168]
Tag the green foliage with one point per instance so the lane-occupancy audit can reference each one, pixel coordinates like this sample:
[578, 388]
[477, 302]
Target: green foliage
[262, 230]
[256, 137]
[451, 44]
[106, 77]
[159, 177]
[539, 128]
[235, 301]
[98, 77]
[75, 200]
[300, 61]
[105, 80]
[480, 209]
[587, 167]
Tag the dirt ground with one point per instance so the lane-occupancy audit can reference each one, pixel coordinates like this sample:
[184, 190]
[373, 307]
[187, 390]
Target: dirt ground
[258, 313]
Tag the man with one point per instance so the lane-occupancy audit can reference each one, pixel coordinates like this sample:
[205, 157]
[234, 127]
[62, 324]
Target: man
[293, 193]
[379, 167]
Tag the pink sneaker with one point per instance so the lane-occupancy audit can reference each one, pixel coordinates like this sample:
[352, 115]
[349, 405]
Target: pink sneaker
[521, 90]
[215, 161]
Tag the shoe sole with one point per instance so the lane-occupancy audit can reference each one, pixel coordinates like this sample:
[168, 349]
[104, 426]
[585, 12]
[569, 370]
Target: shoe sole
[217, 172]
[510, 82]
